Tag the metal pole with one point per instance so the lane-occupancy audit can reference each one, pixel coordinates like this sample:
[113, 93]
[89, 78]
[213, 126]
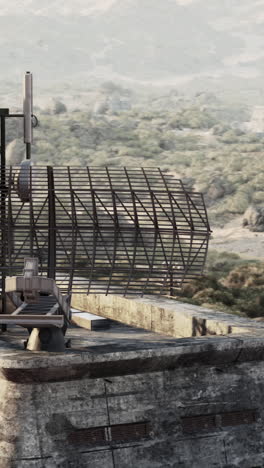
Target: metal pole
[3, 114]
[28, 150]
[52, 225]
[171, 284]
[28, 111]
[28, 138]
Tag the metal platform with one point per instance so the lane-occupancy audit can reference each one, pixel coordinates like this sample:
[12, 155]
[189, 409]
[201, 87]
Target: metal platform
[40, 315]
[40, 307]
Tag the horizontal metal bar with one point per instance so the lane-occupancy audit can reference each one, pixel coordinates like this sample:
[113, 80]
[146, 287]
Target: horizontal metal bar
[35, 321]
[15, 115]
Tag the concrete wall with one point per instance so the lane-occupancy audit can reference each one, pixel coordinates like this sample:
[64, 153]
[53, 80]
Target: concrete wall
[197, 403]
[165, 316]
[134, 399]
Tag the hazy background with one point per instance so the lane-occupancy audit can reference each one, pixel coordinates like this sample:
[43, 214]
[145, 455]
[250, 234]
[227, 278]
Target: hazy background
[191, 44]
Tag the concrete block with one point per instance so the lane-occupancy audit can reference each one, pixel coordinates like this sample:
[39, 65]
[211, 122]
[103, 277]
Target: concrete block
[89, 321]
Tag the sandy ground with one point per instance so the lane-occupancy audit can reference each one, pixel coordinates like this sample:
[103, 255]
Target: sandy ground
[234, 238]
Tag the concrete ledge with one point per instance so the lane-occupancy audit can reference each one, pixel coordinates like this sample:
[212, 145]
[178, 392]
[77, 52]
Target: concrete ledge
[119, 358]
[166, 316]
[89, 321]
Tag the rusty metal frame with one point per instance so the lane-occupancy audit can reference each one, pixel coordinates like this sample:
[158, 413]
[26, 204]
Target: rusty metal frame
[106, 230]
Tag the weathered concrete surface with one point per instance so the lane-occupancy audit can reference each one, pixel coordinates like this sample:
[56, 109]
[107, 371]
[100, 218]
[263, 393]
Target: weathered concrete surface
[165, 316]
[197, 402]
[89, 321]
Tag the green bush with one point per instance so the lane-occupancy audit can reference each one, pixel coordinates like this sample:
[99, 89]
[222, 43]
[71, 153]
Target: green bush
[229, 137]
[238, 203]
[258, 197]
[149, 135]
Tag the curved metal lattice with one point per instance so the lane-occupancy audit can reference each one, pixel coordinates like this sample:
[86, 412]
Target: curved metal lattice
[118, 230]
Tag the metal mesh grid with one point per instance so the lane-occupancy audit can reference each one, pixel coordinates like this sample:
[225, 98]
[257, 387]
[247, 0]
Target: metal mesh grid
[102, 230]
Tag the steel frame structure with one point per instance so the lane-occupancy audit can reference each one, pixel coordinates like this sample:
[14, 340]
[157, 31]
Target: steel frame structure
[102, 230]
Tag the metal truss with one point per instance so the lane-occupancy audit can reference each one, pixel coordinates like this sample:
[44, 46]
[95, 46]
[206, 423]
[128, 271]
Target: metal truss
[102, 230]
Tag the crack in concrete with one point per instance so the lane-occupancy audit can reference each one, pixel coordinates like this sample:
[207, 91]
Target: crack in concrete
[32, 459]
[109, 449]
[225, 452]
[238, 355]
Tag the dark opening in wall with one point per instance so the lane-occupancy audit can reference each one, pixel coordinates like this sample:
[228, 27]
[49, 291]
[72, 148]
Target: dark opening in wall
[210, 422]
[107, 434]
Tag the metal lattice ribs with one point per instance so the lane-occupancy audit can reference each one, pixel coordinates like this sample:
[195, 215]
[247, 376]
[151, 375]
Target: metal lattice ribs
[104, 230]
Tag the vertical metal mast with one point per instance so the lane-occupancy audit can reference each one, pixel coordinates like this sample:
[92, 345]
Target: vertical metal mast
[28, 138]
[28, 113]
[52, 225]
[3, 114]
